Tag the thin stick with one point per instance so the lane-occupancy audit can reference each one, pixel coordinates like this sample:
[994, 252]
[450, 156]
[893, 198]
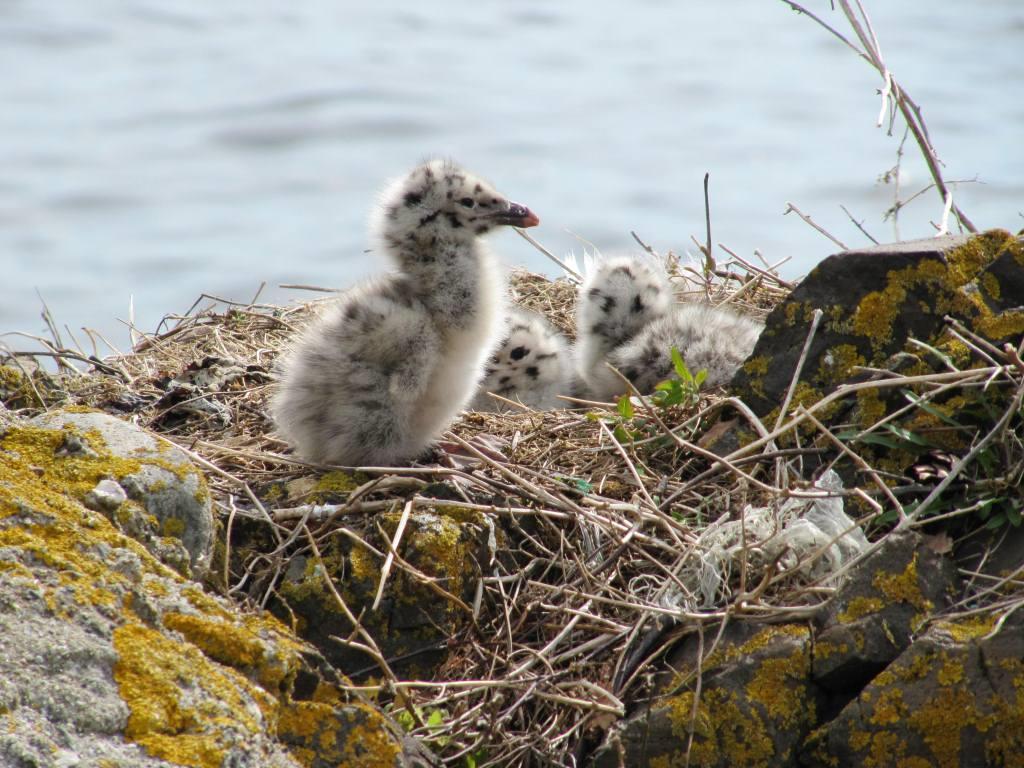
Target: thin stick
[386, 569]
[815, 320]
[709, 260]
[859, 225]
[790, 208]
[568, 270]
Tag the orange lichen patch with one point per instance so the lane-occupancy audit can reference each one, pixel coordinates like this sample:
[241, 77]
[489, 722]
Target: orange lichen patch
[952, 708]
[970, 628]
[757, 365]
[182, 707]
[905, 587]
[877, 312]
[967, 261]
[859, 607]
[740, 725]
[839, 361]
[49, 528]
[322, 734]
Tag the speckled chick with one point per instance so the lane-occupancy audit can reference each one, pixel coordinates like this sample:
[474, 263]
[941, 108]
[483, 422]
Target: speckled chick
[619, 297]
[379, 375]
[709, 339]
[627, 316]
[532, 365]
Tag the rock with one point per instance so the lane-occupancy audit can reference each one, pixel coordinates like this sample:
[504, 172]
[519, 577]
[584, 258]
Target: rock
[874, 616]
[149, 489]
[998, 554]
[953, 698]
[873, 300]
[111, 658]
[23, 384]
[756, 705]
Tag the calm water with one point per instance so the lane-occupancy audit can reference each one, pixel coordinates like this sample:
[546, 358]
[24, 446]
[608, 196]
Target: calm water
[159, 149]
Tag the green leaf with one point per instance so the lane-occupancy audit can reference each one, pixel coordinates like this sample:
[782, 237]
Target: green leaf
[699, 378]
[1013, 515]
[996, 521]
[873, 438]
[625, 406]
[680, 366]
[404, 718]
[579, 483]
[435, 719]
[908, 436]
[622, 434]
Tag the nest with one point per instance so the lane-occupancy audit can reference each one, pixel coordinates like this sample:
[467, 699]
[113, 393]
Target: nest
[565, 631]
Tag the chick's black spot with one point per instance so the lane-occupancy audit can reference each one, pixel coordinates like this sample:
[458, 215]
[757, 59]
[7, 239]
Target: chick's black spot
[453, 221]
[519, 353]
[412, 198]
[638, 305]
[532, 372]
[609, 304]
[429, 218]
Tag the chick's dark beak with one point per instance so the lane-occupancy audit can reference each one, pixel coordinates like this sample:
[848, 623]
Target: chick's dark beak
[517, 216]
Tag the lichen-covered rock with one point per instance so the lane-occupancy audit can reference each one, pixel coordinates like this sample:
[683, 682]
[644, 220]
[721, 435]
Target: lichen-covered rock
[413, 621]
[148, 488]
[954, 699]
[111, 658]
[872, 301]
[874, 616]
[755, 707]
[23, 384]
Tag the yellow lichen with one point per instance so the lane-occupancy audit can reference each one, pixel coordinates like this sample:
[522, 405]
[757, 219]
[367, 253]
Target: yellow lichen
[859, 607]
[905, 587]
[757, 366]
[159, 680]
[839, 361]
[220, 641]
[876, 313]
[736, 727]
[969, 628]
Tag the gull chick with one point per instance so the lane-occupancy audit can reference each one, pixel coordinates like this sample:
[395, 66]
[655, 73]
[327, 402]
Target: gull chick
[532, 365]
[379, 376]
[627, 316]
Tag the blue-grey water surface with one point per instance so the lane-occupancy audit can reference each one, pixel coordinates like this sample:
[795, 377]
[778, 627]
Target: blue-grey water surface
[152, 150]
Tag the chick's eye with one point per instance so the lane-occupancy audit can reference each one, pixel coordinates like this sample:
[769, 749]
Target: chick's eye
[469, 202]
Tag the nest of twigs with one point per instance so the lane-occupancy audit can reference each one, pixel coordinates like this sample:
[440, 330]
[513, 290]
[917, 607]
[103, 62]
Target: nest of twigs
[558, 644]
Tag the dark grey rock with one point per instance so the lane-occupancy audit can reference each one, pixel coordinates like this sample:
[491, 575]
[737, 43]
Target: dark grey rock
[955, 697]
[873, 300]
[756, 705]
[875, 614]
